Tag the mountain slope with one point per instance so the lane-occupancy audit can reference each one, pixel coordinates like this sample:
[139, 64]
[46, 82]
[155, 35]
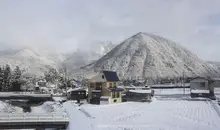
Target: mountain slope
[83, 57]
[29, 60]
[147, 55]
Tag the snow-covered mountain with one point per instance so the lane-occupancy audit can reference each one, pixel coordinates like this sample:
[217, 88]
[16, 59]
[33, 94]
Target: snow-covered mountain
[36, 61]
[150, 56]
[82, 56]
[214, 65]
[29, 60]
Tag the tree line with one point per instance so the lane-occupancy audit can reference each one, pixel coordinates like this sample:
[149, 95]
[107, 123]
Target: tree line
[10, 80]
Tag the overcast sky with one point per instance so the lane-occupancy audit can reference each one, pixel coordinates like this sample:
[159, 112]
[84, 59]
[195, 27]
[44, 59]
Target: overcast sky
[65, 25]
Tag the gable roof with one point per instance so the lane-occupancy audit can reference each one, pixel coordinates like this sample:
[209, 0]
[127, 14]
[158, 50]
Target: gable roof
[111, 76]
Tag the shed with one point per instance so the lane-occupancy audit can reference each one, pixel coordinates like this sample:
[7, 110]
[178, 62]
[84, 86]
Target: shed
[76, 94]
[143, 95]
[200, 87]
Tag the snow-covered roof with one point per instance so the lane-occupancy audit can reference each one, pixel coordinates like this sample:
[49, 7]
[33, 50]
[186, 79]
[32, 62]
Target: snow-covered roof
[52, 86]
[74, 89]
[199, 91]
[96, 90]
[104, 97]
[141, 91]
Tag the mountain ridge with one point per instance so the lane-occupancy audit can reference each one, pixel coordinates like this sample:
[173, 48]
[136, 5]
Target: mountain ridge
[148, 55]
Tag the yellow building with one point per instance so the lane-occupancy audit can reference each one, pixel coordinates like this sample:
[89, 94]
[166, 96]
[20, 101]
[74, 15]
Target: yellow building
[106, 83]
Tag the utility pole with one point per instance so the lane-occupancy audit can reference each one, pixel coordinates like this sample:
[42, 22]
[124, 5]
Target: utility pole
[183, 83]
[65, 73]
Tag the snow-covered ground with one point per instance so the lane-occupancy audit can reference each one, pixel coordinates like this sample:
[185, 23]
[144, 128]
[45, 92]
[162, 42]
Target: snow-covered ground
[48, 107]
[172, 91]
[8, 108]
[157, 115]
[163, 113]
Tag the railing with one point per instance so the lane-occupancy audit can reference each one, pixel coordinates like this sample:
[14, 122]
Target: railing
[23, 94]
[33, 117]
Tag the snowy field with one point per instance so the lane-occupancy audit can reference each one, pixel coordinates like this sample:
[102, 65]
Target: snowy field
[157, 115]
[172, 91]
[171, 109]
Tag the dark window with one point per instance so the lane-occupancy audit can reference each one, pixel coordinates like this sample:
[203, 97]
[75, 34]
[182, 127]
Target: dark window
[202, 84]
[117, 95]
[114, 84]
[113, 94]
[92, 85]
[103, 76]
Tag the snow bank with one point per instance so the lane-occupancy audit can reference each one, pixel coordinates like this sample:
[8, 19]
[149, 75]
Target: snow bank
[171, 91]
[48, 107]
[200, 91]
[8, 108]
[140, 91]
[78, 121]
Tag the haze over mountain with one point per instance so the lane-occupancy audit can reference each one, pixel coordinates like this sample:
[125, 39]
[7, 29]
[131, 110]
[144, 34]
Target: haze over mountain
[146, 55]
[143, 55]
[29, 60]
[35, 61]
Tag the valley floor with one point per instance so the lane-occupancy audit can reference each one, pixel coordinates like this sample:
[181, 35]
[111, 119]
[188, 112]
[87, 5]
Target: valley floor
[171, 109]
[157, 115]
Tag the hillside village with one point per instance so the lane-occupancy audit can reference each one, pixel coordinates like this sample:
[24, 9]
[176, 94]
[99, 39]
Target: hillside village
[59, 97]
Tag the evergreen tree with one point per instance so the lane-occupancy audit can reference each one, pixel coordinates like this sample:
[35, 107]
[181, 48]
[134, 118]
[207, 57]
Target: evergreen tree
[1, 79]
[7, 78]
[52, 75]
[16, 80]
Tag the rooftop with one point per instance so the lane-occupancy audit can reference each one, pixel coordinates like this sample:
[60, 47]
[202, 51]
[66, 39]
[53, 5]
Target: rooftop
[111, 76]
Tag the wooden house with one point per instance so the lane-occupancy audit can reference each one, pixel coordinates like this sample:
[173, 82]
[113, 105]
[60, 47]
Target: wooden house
[105, 83]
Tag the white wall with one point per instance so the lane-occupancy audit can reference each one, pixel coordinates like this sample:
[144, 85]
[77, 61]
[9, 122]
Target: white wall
[197, 84]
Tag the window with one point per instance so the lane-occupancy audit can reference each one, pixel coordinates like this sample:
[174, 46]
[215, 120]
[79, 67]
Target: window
[113, 94]
[202, 85]
[117, 95]
[115, 84]
[92, 85]
[103, 76]
[110, 84]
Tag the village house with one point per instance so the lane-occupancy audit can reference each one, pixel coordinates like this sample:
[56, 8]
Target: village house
[41, 85]
[76, 94]
[104, 86]
[201, 87]
[139, 94]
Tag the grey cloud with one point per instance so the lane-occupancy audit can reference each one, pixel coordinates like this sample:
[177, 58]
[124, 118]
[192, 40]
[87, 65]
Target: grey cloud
[67, 25]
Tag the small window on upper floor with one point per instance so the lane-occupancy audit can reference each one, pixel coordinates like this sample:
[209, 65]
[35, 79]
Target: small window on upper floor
[103, 76]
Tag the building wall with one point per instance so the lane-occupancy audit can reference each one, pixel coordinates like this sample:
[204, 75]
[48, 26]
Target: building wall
[108, 84]
[105, 92]
[93, 86]
[115, 100]
[199, 84]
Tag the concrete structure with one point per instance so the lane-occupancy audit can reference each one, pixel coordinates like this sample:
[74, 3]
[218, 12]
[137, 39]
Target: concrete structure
[33, 120]
[25, 95]
[106, 82]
